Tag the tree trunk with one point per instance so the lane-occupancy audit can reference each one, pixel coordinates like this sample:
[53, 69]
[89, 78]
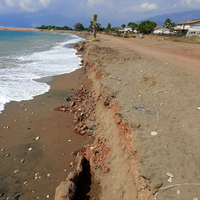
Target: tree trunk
[94, 31]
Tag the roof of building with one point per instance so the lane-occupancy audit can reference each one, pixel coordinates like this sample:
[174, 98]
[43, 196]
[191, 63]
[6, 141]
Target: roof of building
[189, 22]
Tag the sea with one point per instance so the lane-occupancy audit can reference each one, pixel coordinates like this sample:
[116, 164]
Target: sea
[28, 56]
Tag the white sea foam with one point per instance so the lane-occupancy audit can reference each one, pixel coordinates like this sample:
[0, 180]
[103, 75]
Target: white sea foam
[17, 79]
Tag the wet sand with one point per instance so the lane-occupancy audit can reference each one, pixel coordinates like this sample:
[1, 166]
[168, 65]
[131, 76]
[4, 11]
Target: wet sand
[35, 173]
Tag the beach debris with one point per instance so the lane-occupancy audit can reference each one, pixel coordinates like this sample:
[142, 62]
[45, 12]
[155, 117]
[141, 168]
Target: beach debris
[30, 149]
[22, 160]
[80, 128]
[61, 108]
[2, 149]
[143, 110]
[153, 133]
[37, 138]
[170, 177]
[16, 171]
[7, 155]
[6, 127]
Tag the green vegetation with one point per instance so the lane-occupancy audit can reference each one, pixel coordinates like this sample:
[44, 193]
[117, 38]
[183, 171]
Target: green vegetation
[132, 25]
[79, 27]
[168, 23]
[123, 25]
[50, 27]
[146, 26]
[96, 40]
[95, 26]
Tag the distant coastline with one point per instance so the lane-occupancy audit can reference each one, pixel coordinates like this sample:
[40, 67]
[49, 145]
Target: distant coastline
[19, 29]
[82, 33]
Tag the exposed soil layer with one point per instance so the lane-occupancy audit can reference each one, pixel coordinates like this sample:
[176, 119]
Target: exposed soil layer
[147, 109]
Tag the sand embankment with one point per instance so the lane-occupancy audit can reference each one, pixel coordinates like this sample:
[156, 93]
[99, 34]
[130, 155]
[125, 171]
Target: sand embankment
[147, 110]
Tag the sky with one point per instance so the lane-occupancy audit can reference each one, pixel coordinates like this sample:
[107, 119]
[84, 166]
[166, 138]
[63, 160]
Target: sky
[68, 12]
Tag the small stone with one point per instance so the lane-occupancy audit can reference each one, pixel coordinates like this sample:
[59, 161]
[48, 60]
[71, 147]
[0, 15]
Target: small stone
[37, 138]
[48, 196]
[30, 148]
[170, 175]
[16, 171]
[170, 180]
[195, 198]
[7, 155]
[48, 175]
[69, 140]
[198, 108]
[2, 149]
[154, 133]
[22, 160]
[178, 191]
[106, 169]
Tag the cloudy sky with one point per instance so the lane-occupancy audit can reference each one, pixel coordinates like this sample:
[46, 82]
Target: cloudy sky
[115, 12]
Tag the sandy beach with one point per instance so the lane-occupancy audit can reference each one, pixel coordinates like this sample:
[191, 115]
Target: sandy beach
[144, 99]
[36, 172]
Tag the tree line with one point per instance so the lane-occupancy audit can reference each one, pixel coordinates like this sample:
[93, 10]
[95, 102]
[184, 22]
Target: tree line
[144, 27]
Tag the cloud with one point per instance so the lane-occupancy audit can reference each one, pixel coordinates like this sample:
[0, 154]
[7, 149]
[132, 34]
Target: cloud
[148, 6]
[192, 1]
[92, 2]
[33, 5]
[140, 8]
[23, 5]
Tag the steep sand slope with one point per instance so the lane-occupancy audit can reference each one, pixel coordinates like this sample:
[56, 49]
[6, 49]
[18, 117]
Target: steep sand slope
[153, 86]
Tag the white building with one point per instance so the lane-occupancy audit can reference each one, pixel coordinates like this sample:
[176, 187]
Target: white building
[161, 30]
[126, 29]
[189, 28]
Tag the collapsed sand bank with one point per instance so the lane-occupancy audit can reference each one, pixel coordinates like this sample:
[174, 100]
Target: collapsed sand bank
[147, 99]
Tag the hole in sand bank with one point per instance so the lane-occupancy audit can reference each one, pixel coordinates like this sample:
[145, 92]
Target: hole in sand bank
[88, 188]
[84, 185]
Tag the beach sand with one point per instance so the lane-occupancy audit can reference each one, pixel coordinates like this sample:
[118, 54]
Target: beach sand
[48, 163]
[146, 94]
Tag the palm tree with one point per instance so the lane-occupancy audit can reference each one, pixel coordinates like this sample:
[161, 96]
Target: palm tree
[94, 25]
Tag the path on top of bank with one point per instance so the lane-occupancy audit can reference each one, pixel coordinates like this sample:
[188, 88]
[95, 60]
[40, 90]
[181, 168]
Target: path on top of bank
[176, 54]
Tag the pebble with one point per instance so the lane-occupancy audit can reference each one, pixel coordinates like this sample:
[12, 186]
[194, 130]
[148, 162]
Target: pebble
[178, 191]
[198, 108]
[48, 175]
[69, 140]
[37, 138]
[30, 148]
[154, 133]
[2, 149]
[22, 160]
[48, 196]
[170, 175]
[170, 179]
[195, 198]
[16, 171]
[6, 127]
[7, 155]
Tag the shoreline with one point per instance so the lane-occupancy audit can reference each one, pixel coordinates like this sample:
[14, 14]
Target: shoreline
[145, 120]
[49, 158]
